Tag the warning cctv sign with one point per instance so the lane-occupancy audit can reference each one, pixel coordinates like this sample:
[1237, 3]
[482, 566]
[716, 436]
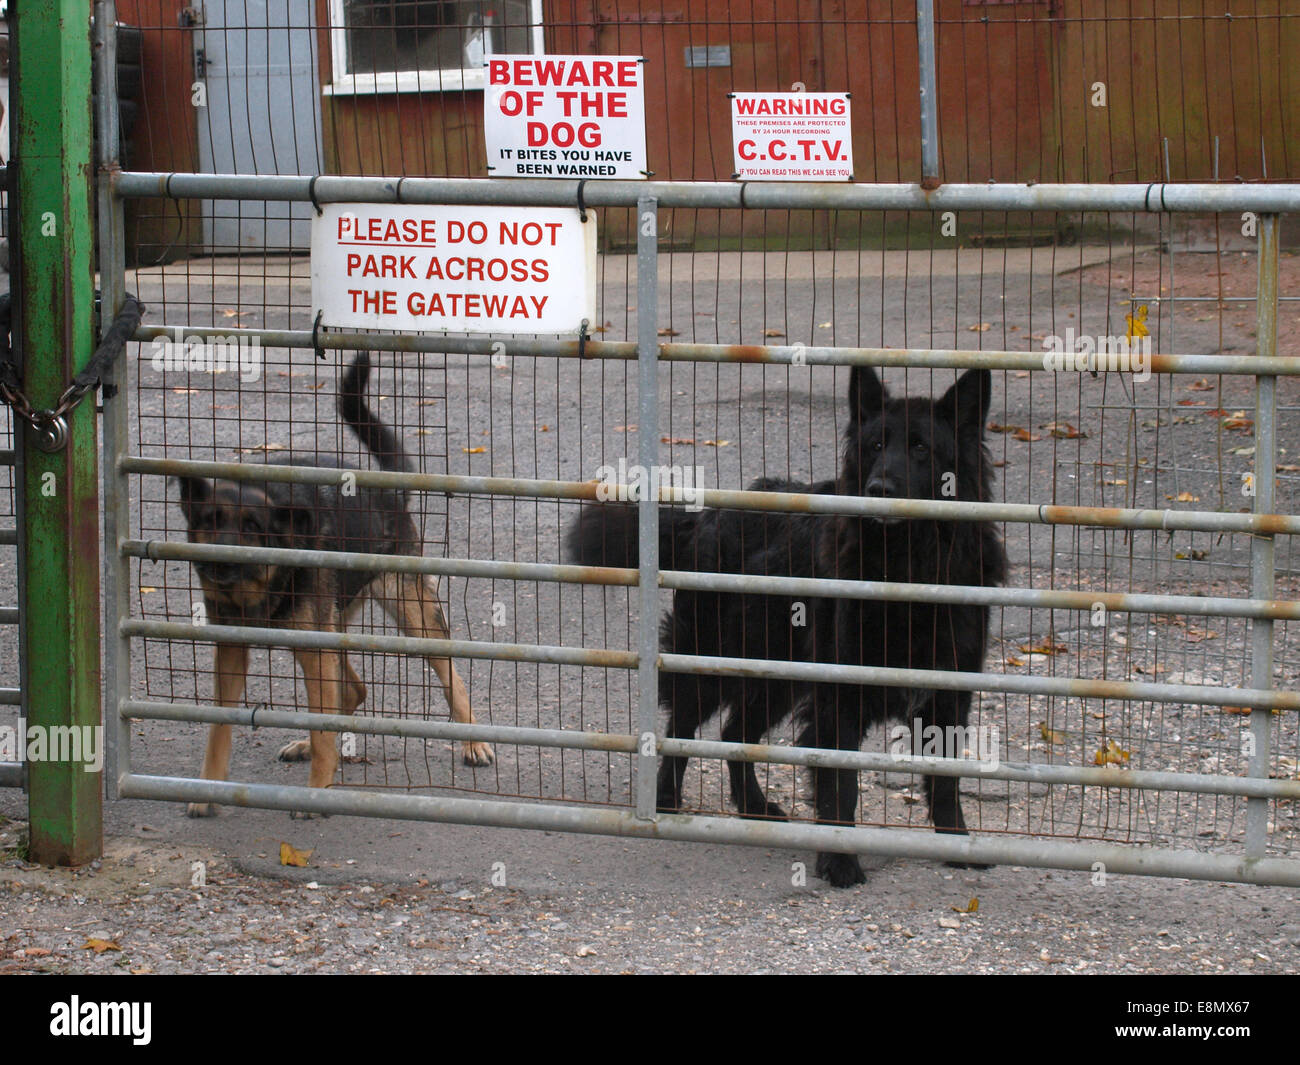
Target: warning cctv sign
[565, 116]
[792, 136]
[461, 269]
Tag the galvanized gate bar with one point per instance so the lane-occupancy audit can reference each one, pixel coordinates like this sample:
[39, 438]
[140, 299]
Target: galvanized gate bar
[770, 354]
[939, 509]
[114, 425]
[1196, 197]
[903, 764]
[1262, 546]
[929, 94]
[900, 591]
[647, 327]
[893, 842]
[949, 680]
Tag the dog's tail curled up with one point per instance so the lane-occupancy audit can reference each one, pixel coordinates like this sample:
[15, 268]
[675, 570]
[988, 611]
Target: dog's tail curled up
[382, 442]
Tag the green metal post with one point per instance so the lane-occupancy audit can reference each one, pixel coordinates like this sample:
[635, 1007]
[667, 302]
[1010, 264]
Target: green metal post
[58, 520]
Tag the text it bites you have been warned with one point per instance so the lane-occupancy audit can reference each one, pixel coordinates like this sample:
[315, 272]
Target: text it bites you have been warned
[565, 116]
[421, 268]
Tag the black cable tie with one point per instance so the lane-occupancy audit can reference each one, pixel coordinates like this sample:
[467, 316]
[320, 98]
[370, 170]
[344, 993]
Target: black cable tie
[743, 186]
[582, 339]
[167, 187]
[315, 334]
[399, 189]
[1146, 200]
[582, 206]
[311, 194]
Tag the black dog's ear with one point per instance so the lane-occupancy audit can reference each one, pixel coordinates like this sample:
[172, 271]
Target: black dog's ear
[195, 491]
[866, 394]
[966, 403]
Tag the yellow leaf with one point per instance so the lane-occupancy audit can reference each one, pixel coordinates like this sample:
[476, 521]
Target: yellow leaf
[473, 450]
[1051, 735]
[290, 855]
[100, 945]
[717, 443]
[970, 907]
[1111, 754]
[1137, 323]
[982, 327]
[773, 333]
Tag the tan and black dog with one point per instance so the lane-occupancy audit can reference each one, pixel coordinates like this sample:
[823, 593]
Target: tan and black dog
[346, 517]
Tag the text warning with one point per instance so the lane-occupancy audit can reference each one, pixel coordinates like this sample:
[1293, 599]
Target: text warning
[452, 268]
[565, 116]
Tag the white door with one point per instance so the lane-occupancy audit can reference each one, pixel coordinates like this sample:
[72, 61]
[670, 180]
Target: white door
[258, 61]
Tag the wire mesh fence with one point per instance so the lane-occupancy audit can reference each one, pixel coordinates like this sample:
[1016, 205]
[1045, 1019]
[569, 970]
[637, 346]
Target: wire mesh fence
[1061, 92]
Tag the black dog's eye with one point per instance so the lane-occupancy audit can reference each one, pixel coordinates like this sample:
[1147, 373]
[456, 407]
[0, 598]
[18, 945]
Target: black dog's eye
[920, 447]
[877, 445]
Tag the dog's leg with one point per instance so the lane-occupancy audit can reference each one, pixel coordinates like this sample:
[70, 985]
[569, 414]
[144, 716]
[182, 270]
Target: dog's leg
[943, 711]
[691, 699]
[323, 674]
[836, 722]
[231, 666]
[748, 723]
[412, 601]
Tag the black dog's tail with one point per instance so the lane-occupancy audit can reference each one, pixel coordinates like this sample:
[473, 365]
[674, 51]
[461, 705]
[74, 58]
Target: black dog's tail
[382, 442]
[607, 535]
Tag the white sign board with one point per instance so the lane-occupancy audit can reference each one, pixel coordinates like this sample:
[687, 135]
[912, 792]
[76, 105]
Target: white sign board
[792, 136]
[565, 116]
[461, 269]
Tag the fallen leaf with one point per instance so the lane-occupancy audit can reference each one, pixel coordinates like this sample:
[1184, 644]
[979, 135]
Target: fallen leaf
[99, 946]
[1244, 424]
[1044, 647]
[716, 443]
[1064, 431]
[1116, 481]
[1191, 403]
[145, 589]
[997, 427]
[261, 447]
[1051, 735]
[1111, 754]
[1195, 556]
[971, 907]
[773, 333]
[1286, 467]
[291, 855]
[473, 450]
[1184, 497]
[1201, 385]
[677, 440]
[667, 332]
[625, 428]
[1026, 436]
[1012, 660]
[36, 952]
[982, 327]
[185, 391]
[1137, 323]
[586, 952]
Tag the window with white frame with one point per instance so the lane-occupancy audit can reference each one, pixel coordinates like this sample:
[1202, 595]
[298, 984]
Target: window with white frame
[426, 45]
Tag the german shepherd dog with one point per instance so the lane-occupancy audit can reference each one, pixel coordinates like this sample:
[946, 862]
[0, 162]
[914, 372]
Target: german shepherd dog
[901, 448]
[319, 518]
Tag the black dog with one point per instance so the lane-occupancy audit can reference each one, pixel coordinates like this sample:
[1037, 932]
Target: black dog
[893, 448]
[346, 517]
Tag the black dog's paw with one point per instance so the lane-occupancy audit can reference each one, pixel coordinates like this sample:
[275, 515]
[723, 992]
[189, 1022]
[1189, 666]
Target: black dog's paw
[840, 870]
[201, 809]
[977, 866]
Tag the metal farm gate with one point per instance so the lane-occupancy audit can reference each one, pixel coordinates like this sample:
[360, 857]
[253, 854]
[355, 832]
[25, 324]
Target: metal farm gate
[1140, 681]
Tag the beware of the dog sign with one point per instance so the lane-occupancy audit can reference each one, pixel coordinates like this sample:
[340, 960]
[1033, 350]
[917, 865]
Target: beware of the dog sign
[459, 269]
[565, 116]
[792, 136]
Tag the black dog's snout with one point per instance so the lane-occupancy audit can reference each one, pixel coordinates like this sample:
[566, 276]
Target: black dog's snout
[881, 488]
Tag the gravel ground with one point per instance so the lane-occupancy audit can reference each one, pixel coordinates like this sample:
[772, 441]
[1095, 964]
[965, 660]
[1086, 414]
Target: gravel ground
[136, 911]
